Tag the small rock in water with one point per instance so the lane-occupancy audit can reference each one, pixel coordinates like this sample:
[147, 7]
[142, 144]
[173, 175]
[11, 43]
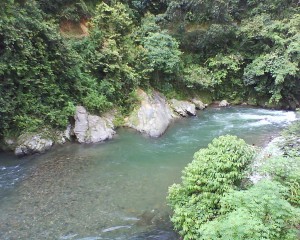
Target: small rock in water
[198, 103]
[223, 103]
[183, 108]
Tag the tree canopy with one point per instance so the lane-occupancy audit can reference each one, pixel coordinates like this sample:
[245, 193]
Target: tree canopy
[245, 51]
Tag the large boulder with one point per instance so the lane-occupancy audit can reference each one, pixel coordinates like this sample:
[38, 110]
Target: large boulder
[153, 116]
[91, 128]
[32, 143]
[183, 108]
[198, 104]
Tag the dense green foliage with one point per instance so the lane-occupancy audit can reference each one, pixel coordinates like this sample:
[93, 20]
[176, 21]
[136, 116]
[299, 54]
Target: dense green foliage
[260, 38]
[234, 49]
[38, 72]
[214, 171]
[108, 54]
[211, 203]
[275, 70]
[286, 168]
[286, 171]
[260, 212]
[43, 76]
[159, 52]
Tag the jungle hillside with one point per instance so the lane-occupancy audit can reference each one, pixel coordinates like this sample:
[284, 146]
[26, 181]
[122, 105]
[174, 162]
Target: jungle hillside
[56, 54]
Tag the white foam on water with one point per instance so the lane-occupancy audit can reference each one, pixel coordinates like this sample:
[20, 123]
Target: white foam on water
[115, 228]
[259, 123]
[90, 238]
[250, 116]
[268, 117]
[70, 236]
[131, 219]
[285, 117]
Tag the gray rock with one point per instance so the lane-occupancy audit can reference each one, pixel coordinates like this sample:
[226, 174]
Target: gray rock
[81, 124]
[68, 132]
[64, 136]
[152, 117]
[98, 130]
[223, 103]
[29, 144]
[91, 128]
[198, 104]
[109, 117]
[183, 108]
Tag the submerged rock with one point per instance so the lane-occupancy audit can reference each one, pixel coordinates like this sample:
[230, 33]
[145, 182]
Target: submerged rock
[223, 103]
[198, 104]
[153, 116]
[91, 128]
[29, 144]
[183, 108]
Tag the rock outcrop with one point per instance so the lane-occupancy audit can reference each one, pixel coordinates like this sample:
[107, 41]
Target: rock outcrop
[91, 128]
[223, 103]
[153, 116]
[183, 108]
[198, 104]
[32, 143]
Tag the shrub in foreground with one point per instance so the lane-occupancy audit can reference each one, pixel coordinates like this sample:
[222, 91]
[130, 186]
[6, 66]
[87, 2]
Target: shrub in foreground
[215, 170]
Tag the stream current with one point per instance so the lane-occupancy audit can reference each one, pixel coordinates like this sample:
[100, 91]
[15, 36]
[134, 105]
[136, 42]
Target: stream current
[117, 189]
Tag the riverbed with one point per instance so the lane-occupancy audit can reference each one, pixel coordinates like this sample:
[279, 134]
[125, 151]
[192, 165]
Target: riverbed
[116, 189]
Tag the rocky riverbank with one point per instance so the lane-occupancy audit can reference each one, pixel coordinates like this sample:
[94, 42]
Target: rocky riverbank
[151, 117]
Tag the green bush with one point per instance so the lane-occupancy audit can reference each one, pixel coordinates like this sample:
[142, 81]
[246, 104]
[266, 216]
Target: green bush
[159, 54]
[286, 171]
[214, 171]
[260, 212]
[211, 203]
[38, 71]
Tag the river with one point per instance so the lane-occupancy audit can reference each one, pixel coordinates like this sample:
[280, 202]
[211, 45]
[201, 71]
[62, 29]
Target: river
[117, 189]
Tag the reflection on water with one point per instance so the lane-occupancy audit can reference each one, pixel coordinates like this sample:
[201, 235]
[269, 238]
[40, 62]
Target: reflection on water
[115, 190]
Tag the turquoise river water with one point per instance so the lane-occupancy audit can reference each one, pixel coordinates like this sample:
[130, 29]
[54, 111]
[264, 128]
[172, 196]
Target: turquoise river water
[117, 189]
